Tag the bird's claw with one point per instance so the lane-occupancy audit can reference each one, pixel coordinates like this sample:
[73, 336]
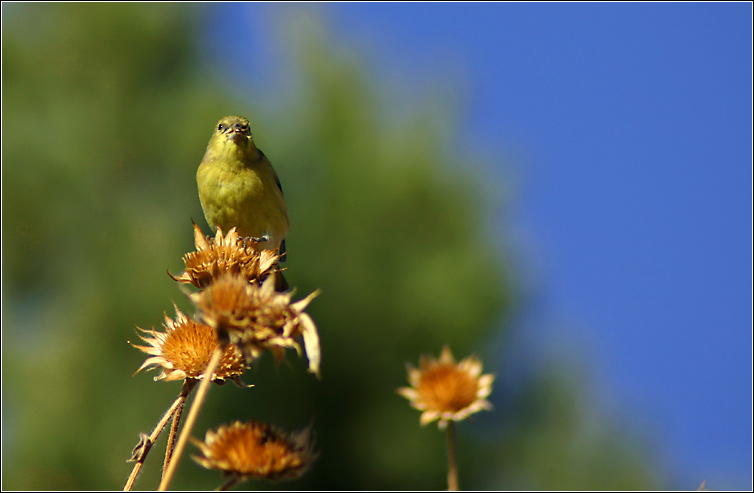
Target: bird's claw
[256, 240]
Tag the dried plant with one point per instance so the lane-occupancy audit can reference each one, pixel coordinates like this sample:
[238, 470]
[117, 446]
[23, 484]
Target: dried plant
[244, 308]
[226, 254]
[256, 450]
[448, 391]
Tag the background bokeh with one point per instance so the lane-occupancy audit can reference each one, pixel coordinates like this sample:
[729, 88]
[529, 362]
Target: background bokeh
[563, 190]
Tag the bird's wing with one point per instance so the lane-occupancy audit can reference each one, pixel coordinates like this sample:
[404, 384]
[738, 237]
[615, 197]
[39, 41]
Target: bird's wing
[281, 252]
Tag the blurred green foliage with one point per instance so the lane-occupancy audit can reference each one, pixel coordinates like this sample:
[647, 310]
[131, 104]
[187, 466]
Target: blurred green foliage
[107, 109]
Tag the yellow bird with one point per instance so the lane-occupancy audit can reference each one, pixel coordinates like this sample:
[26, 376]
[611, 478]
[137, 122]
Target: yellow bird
[239, 187]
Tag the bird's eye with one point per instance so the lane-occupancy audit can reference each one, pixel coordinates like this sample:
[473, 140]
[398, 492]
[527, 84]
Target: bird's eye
[221, 127]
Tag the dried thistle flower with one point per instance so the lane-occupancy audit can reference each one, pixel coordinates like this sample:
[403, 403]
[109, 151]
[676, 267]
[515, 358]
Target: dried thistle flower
[230, 253]
[256, 450]
[184, 350]
[256, 317]
[446, 390]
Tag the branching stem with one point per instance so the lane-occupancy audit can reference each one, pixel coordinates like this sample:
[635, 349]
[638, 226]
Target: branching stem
[141, 455]
[201, 393]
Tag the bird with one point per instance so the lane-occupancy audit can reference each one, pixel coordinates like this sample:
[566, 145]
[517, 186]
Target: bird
[238, 187]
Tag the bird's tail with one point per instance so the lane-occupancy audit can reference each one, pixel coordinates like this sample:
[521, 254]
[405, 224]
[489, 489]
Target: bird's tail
[281, 284]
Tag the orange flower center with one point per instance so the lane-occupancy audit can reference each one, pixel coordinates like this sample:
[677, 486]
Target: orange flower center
[190, 346]
[255, 450]
[446, 388]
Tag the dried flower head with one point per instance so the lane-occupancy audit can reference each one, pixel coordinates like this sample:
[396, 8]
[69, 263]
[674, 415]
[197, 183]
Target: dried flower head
[256, 450]
[231, 253]
[446, 390]
[184, 350]
[256, 317]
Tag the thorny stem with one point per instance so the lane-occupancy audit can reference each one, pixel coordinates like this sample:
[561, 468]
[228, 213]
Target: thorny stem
[142, 456]
[201, 393]
[452, 465]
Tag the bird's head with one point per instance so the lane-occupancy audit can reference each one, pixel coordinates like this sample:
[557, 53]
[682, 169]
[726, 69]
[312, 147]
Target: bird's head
[232, 139]
[234, 128]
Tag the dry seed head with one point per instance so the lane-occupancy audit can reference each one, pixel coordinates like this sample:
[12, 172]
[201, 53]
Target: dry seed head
[256, 450]
[184, 349]
[230, 253]
[446, 390]
[256, 317]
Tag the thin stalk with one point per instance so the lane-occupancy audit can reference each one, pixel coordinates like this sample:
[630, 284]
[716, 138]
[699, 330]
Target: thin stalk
[229, 484]
[452, 464]
[201, 393]
[174, 427]
[147, 445]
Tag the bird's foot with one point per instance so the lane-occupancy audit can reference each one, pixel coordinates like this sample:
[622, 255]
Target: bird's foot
[255, 240]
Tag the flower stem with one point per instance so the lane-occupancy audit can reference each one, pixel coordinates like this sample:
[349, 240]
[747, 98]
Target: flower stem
[141, 455]
[452, 464]
[187, 387]
[201, 393]
[229, 484]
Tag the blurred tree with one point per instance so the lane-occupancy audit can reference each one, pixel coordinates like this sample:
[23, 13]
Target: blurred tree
[107, 109]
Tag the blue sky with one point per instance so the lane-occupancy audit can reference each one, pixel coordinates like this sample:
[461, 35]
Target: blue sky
[630, 131]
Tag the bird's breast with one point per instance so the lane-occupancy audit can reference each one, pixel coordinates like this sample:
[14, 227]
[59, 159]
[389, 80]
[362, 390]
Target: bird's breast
[246, 198]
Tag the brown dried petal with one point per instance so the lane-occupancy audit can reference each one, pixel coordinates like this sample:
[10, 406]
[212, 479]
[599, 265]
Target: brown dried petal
[226, 254]
[256, 450]
[258, 317]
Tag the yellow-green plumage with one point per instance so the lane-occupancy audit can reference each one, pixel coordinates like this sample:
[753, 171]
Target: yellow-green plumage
[238, 186]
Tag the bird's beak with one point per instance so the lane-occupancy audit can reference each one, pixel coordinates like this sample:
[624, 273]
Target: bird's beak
[236, 135]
